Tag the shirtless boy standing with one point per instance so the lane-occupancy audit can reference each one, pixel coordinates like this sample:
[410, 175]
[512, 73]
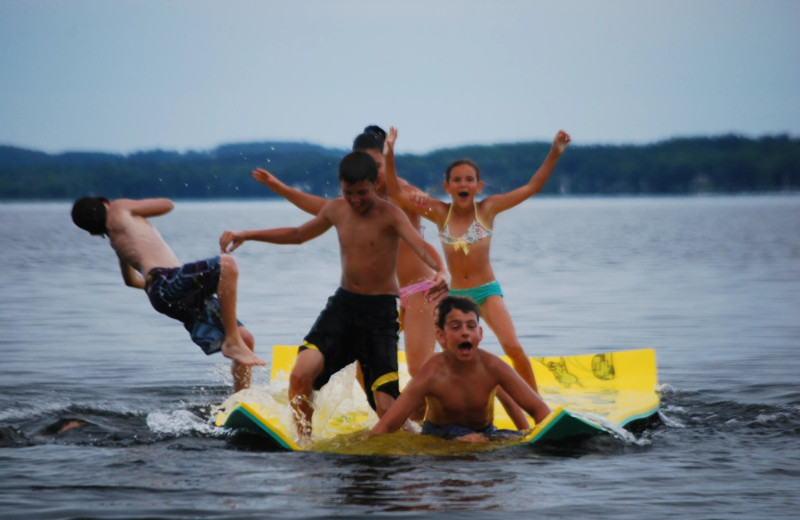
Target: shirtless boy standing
[360, 319]
[201, 295]
[459, 384]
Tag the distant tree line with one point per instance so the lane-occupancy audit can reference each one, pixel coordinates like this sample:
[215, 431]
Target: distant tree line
[722, 164]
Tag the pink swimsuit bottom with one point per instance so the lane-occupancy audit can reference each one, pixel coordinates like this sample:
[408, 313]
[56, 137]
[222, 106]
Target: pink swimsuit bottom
[409, 290]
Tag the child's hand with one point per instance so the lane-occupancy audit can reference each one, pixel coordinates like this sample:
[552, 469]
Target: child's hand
[561, 141]
[439, 286]
[418, 197]
[391, 137]
[265, 177]
[229, 241]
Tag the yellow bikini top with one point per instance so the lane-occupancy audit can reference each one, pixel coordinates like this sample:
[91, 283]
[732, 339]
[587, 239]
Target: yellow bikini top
[476, 231]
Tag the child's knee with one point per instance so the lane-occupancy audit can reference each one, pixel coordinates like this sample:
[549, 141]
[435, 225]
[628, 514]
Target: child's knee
[517, 355]
[228, 265]
[301, 382]
[382, 402]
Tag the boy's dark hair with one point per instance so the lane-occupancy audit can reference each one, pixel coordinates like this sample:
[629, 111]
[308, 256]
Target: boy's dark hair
[372, 138]
[459, 162]
[465, 305]
[89, 213]
[358, 166]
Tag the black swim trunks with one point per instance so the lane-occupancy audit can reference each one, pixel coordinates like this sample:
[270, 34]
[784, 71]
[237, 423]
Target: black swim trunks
[452, 431]
[188, 294]
[363, 328]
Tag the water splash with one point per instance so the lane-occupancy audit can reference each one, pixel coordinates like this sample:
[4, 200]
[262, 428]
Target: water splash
[179, 422]
[340, 407]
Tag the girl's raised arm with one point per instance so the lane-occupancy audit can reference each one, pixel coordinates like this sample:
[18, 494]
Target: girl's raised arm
[498, 203]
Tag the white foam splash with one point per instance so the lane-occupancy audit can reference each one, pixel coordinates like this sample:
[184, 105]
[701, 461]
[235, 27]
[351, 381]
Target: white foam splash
[669, 421]
[341, 397]
[614, 429]
[178, 422]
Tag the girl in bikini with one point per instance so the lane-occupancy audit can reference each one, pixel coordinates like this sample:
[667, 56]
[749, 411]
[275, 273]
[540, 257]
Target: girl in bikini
[465, 230]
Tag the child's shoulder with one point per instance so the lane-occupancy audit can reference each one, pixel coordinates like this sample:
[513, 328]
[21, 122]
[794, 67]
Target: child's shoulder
[489, 359]
[117, 206]
[383, 209]
[333, 205]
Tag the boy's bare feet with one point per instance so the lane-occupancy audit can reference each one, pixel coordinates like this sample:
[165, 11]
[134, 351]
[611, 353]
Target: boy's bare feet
[241, 354]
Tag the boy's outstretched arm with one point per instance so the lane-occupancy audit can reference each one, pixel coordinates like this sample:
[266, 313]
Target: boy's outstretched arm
[145, 207]
[428, 254]
[504, 201]
[515, 413]
[520, 392]
[231, 240]
[307, 202]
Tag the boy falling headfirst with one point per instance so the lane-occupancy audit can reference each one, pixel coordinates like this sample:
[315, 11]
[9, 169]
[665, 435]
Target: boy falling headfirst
[201, 295]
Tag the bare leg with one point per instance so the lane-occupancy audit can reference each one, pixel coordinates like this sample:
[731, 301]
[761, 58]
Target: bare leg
[419, 336]
[382, 402]
[307, 367]
[234, 347]
[360, 376]
[242, 373]
[495, 314]
[419, 331]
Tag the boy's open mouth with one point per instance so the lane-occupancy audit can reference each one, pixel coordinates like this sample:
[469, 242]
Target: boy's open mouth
[465, 347]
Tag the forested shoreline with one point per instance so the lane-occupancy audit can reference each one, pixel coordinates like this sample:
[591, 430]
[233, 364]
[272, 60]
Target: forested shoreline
[680, 166]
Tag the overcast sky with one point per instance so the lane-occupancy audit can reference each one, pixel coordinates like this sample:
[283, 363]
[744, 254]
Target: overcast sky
[124, 76]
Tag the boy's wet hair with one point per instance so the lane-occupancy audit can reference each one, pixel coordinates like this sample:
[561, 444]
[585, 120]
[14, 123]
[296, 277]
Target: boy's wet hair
[89, 213]
[372, 138]
[358, 166]
[465, 305]
[459, 162]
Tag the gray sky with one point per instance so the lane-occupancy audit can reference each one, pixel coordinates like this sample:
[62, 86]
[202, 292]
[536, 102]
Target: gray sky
[128, 75]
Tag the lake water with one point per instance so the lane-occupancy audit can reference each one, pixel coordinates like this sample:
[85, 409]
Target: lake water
[712, 283]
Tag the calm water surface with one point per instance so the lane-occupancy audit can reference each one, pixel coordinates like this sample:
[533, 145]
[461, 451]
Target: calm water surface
[713, 284]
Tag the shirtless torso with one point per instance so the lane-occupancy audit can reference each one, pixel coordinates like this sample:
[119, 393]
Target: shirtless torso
[135, 240]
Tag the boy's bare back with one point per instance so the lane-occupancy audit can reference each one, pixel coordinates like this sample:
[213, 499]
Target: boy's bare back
[135, 240]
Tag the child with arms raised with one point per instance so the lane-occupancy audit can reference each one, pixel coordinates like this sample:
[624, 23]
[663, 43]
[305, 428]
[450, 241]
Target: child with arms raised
[359, 322]
[465, 229]
[412, 273]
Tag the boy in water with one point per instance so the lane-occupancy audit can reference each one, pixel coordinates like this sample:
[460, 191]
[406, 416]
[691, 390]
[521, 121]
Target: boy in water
[459, 384]
[359, 322]
[201, 295]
